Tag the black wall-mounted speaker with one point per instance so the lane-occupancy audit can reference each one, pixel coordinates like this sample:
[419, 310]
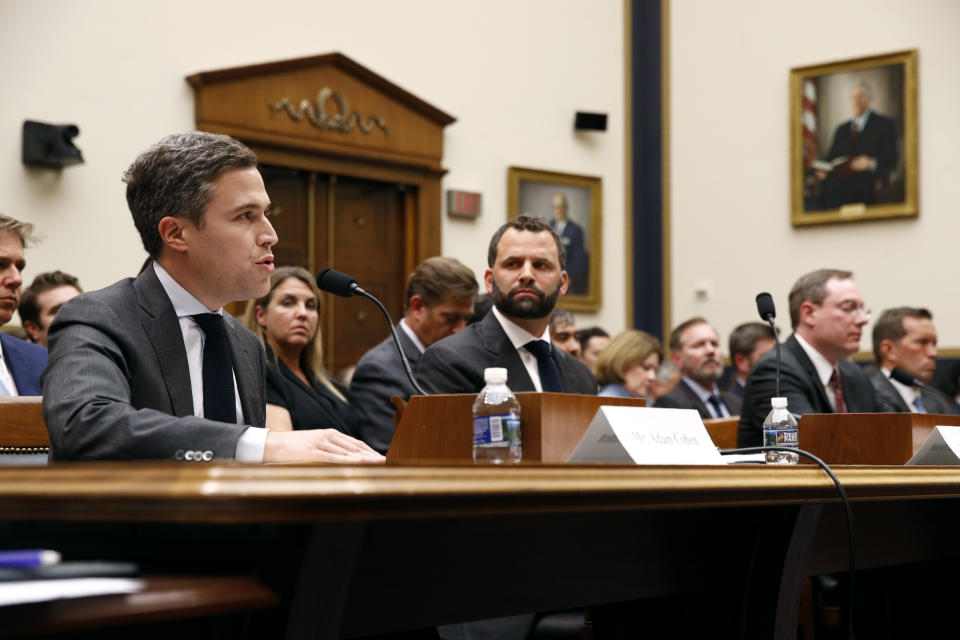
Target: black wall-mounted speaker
[50, 145]
[590, 121]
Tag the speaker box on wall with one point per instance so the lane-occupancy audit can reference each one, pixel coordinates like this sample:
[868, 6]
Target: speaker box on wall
[590, 121]
[50, 145]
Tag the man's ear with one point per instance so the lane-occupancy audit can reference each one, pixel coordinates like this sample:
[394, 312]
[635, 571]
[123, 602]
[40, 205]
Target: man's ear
[33, 330]
[171, 230]
[741, 363]
[807, 309]
[488, 280]
[886, 349]
[564, 282]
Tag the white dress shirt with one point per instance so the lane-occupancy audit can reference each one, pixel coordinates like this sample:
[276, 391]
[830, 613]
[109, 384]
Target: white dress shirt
[6, 377]
[518, 337]
[909, 394]
[704, 395]
[410, 334]
[823, 367]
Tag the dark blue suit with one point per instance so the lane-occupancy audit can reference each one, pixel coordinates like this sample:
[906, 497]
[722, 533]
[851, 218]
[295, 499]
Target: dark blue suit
[578, 260]
[26, 362]
[878, 140]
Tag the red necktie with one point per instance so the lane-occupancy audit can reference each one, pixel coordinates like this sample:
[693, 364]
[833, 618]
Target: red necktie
[838, 391]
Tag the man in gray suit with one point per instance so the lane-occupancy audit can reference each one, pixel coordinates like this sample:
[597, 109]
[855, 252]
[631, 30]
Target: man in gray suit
[440, 295]
[151, 367]
[905, 338]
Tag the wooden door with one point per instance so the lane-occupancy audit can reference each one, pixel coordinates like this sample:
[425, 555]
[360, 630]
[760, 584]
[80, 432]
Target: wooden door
[355, 226]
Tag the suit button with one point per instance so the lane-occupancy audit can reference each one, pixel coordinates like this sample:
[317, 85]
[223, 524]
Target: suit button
[178, 455]
[188, 455]
[207, 456]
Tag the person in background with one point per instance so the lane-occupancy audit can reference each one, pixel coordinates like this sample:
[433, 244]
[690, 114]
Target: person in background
[41, 301]
[563, 332]
[593, 340]
[21, 363]
[481, 306]
[300, 395]
[627, 367]
[748, 343]
[668, 377]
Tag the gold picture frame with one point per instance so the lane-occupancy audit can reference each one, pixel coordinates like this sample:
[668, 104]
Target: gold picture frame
[853, 140]
[534, 192]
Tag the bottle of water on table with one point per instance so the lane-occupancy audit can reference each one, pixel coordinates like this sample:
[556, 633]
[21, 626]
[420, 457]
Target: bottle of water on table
[780, 430]
[496, 420]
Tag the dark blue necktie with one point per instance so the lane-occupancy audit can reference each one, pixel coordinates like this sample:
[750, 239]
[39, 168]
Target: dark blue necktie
[550, 378]
[918, 403]
[219, 402]
[714, 401]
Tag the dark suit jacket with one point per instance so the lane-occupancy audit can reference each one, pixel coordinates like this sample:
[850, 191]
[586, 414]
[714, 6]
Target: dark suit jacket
[683, 397]
[801, 387]
[877, 140]
[380, 376]
[891, 401]
[26, 362]
[118, 385]
[578, 259]
[456, 363]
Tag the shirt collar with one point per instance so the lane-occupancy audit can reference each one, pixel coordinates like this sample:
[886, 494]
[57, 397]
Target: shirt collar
[517, 334]
[908, 393]
[410, 334]
[820, 362]
[702, 393]
[184, 304]
[861, 120]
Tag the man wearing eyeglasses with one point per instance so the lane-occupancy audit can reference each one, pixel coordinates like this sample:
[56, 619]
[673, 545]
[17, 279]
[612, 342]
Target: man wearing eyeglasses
[828, 316]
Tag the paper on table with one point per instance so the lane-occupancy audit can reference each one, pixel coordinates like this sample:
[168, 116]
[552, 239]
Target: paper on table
[941, 448]
[27, 591]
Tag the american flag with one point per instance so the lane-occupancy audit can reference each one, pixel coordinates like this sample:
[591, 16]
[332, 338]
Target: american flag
[809, 122]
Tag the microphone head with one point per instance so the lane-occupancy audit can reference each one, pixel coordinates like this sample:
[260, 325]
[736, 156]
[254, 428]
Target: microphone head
[765, 306]
[903, 377]
[339, 284]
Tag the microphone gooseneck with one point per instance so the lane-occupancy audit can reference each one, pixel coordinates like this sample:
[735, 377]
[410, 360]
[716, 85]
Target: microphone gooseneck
[768, 312]
[903, 377]
[340, 284]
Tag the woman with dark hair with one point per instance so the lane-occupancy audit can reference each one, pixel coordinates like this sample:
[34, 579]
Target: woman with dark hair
[300, 394]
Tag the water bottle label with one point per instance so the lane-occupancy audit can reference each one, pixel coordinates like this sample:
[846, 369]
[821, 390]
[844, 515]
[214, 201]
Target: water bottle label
[780, 437]
[496, 430]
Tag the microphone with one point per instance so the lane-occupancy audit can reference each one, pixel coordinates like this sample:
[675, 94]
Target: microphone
[903, 377]
[768, 312]
[340, 284]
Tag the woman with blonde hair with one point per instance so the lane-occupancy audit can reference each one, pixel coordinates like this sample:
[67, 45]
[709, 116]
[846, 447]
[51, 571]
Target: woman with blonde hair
[627, 367]
[300, 394]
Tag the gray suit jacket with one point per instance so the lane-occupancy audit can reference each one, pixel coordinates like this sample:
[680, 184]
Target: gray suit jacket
[117, 384]
[891, 401]
[683, 397]
[456, 363]
[378, 377]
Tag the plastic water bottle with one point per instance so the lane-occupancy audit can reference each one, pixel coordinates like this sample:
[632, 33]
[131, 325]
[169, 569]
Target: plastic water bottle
[780, 430]
[496, 420]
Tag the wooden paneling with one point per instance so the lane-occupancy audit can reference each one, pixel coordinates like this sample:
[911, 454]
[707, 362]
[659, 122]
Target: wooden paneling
[867, 438]
[21, 423]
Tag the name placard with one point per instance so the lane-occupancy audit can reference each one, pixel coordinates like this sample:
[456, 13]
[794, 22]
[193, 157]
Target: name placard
[639, 435]
[941, 448]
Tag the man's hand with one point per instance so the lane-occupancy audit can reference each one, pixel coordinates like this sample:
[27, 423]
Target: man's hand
[317, 445]
[862, 163]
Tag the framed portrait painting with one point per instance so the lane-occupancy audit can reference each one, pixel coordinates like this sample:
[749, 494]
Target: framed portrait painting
[853, 130]
[572, 205]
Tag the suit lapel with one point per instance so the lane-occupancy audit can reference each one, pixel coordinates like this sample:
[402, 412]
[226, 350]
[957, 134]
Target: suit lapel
[160, 324]
[814, 379]
[409, 349]
[20, 367]
[694, 400]
[496, 342]
[244, 368]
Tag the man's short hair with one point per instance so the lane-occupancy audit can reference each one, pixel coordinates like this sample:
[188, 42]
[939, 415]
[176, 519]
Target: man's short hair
[889, 326]
[812, 287]
[743, 339]
[174, 178]
[676, 336]
[23, 230]
[584, 335]
[29, 309]
[438, 278]
[525, 223]
[560, 317]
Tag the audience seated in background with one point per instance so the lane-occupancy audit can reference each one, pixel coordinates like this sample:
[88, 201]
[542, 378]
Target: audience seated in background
[696, 350]
[748, 343]
[166, 374]
[593, 340]
[563, 332]
[827, 315]
[668, 377]
[21, 363]
[42, 299]
[947, 379]
[439, 301]
[300, 394]
[525, 277]
[905, 338]
[627, 368]
[481, 306]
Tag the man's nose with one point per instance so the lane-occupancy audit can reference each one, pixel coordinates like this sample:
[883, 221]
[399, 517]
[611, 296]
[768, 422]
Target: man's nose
[269, 235]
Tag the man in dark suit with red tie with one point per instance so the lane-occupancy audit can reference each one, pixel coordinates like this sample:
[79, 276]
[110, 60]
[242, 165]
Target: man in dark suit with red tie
[828, 317]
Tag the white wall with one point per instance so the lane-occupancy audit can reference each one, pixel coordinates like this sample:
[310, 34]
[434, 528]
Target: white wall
[730, 67]
[513, 73]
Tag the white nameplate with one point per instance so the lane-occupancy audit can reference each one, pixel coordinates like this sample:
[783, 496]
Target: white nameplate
[640, 435]
[942, 447]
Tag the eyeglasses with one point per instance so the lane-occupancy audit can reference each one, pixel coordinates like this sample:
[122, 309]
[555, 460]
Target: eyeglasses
[849, 307]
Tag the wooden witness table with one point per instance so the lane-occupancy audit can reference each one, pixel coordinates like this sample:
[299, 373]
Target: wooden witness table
[358, 550]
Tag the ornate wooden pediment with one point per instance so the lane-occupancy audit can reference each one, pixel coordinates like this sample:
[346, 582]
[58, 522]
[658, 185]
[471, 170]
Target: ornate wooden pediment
[327, 104]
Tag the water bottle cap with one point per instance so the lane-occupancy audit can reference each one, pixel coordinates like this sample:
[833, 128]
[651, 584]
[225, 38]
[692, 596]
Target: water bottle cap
[495, 375]
[778, 403]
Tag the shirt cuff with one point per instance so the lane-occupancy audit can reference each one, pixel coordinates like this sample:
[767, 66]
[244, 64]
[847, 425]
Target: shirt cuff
[251, 444]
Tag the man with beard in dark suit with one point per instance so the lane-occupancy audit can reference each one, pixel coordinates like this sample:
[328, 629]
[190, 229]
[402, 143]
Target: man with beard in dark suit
[828, 316]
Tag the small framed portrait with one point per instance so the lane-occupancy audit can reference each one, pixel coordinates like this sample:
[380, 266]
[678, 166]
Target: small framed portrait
[572, 205]
[853, 140]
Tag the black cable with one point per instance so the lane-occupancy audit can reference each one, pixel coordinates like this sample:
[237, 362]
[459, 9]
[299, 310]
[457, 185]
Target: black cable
[851, 545]
[396, 341]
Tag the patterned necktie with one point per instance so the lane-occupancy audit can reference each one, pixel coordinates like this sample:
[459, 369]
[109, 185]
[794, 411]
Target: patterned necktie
[714, 401]
[838, 391]
[219, 402]
[550, 378]
[918, 403]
